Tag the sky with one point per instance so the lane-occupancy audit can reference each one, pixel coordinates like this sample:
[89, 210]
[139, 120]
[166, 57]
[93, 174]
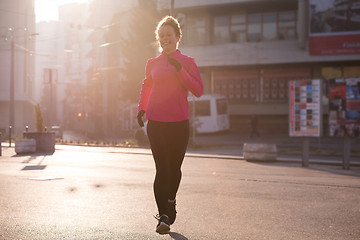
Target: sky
[47, 10]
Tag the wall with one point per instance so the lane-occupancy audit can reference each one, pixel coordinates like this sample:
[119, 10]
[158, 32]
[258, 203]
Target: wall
[18, 15]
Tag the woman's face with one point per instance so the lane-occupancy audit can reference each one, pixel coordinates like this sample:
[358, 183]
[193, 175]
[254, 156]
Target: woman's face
[168, 39]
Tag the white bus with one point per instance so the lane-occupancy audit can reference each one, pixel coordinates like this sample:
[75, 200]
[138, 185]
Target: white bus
[211, 113]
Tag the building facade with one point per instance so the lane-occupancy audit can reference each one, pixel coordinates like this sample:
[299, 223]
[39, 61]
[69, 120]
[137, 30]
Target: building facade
[112, 59]
[73, 100]
[17, 31]
[249, 50]
[50, 62]
[61, 66]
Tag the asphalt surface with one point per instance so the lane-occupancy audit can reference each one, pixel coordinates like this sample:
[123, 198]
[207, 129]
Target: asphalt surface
[106, 193]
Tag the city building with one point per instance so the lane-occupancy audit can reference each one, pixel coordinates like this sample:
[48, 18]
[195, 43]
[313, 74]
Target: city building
[111, 114]
[61, 66]
[50, 74]
[249, 50]
[106, 60]
[73, 100]
[17, 32]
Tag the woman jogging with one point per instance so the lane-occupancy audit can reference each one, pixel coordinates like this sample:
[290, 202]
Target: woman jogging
[163, 97]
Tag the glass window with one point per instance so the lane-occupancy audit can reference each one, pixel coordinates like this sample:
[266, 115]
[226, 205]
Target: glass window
[269, 26]
[286, 15]
[254, 18]
[238, 18]
[202, 108]
[196, 30]
[221, 29]
[287, 25]
[254, 27]
[269, 17]
[221, 106]
[238, 28]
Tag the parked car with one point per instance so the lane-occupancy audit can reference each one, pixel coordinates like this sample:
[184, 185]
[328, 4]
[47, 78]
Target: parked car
[211, 113]
[57, 130]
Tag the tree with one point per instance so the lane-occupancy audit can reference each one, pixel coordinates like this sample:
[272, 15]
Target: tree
[135, 45]
[39, 119]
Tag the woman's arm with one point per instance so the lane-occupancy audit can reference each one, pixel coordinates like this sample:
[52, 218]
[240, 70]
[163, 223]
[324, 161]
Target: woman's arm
[145, 88]
[190, 78]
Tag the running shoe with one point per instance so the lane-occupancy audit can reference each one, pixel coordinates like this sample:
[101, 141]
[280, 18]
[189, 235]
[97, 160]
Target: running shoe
[163, 226]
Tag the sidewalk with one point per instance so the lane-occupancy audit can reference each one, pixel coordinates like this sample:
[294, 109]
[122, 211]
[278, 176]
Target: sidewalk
[325, 150]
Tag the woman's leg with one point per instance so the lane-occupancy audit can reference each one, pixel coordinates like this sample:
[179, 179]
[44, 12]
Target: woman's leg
[168, 143]
[179, 141]
[160, 150]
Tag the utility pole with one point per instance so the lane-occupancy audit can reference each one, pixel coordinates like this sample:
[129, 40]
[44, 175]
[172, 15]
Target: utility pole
[12, 87]
[172, 8]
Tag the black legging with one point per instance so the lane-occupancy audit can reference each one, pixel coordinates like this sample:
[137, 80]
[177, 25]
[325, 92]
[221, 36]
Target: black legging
[168, 141]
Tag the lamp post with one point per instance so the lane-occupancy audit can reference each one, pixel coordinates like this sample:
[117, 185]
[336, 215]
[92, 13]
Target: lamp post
[12, 90]
[172, 3]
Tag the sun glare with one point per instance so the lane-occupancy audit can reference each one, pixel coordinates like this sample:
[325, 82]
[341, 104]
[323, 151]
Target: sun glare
[47, 10]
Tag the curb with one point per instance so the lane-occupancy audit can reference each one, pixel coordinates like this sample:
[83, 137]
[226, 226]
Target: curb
[143, 151]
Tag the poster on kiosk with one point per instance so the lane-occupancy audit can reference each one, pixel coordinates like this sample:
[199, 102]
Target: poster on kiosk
[305, 108]
[344, 107]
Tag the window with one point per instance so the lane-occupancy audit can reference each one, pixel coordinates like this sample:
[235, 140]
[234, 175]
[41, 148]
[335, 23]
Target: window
[254, 27]
[242, 27]
[196, 30]
[275, 83]
[269, 26]
[239, 86]
[238, 28]
[221, 106]
[221, 29]
[287, 25]
[202, 108]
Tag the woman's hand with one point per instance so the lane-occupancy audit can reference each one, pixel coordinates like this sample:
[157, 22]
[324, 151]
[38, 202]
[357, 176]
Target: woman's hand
[139, 117]
[175, 63]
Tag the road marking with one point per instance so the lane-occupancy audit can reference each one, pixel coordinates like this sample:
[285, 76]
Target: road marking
[46, 178]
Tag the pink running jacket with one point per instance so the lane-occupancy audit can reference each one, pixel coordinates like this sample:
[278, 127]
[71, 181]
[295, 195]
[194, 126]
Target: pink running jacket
[164, 91]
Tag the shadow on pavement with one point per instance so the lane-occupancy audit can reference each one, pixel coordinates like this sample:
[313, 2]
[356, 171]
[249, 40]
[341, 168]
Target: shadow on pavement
[31, 157]
[34, 167]
[177, 236]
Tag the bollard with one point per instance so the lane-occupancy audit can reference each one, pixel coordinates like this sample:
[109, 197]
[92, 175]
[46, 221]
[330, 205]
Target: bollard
[10, 127]
[26, 128]
[346, 153]
[0, 146]
[305, 152]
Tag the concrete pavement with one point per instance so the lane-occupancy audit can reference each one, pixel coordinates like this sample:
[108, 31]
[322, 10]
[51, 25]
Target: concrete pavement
[324, 150]
[106, 193]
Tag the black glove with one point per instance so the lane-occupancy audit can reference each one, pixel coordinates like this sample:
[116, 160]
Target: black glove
[139, 117]
[175, 63]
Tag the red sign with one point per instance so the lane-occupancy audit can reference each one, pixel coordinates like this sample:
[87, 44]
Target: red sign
[334, 27]
[334, 44]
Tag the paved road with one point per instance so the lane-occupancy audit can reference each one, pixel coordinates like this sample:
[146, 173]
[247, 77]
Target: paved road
[106, 193]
